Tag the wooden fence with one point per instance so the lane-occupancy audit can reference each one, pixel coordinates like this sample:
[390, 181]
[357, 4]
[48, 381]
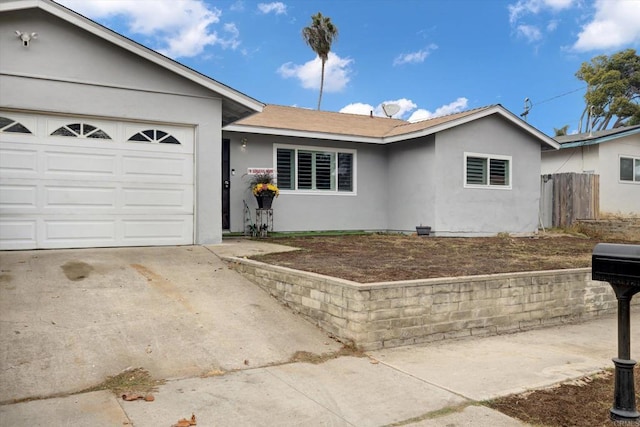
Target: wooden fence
[567, 197]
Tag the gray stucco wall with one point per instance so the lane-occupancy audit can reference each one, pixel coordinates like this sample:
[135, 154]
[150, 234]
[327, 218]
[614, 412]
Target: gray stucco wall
[69, 71]
[412, 184]
[405, 184]
[365, 209]
[485, 211]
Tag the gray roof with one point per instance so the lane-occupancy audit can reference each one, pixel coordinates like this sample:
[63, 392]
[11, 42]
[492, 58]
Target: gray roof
[589, 138]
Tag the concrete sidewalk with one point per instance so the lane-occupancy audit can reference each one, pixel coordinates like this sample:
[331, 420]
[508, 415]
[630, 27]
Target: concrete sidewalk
[439, 384]
[389, 386]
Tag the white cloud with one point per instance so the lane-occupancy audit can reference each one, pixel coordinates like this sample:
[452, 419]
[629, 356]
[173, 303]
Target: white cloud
[358, 108]
[278, 8]
[337, 73]
[414, 57]
[180, 29]
[456, 106]
[530, 32]
[526, 7]
[406, 106]
[527, 10]
[237, 6]
[616, 23]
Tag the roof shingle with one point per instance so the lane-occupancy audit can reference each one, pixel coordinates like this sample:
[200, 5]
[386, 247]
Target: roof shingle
[300, 119]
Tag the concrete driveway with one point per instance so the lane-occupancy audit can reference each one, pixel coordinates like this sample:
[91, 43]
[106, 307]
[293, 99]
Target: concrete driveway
[70, 318]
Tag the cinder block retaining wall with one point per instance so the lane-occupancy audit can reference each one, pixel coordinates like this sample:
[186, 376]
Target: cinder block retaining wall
[378, 315]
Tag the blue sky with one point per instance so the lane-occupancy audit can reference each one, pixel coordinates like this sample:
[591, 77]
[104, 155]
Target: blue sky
[431, 57]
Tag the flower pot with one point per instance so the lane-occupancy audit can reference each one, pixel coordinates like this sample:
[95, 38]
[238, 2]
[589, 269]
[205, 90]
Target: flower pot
[264, 200]
[423, 230]
[267, 200]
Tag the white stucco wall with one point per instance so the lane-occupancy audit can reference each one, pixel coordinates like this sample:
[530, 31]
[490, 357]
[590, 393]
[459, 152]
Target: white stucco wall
[579, 159]
[69, 71]
[616, 197]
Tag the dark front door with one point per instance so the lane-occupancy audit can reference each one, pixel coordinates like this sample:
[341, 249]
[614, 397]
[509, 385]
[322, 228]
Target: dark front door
[226, 184]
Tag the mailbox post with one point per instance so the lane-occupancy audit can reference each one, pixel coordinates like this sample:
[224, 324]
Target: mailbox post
[620, 266]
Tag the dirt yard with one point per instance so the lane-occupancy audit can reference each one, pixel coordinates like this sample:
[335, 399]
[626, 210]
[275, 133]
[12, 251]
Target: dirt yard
[385, 257]
[580, 403]
[388, 257]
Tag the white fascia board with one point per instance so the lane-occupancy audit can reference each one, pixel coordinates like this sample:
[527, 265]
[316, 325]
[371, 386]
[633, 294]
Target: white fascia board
[133, 47]
[599, 140]
[301, 134]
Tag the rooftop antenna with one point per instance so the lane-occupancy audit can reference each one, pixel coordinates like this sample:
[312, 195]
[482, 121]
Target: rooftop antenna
[527, 108]
[589, 121]
[390, 109]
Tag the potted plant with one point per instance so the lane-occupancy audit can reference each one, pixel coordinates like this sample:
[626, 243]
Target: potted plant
[423, 230]
[264, 189]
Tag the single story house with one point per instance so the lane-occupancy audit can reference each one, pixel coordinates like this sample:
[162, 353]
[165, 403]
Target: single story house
[613, 154]
[473, 173]
[104, 142]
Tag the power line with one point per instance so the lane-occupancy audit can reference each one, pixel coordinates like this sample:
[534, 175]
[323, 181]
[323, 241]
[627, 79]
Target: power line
[560, 96]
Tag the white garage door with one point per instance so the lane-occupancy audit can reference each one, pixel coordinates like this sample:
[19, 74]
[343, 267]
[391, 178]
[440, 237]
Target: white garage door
[70, 182]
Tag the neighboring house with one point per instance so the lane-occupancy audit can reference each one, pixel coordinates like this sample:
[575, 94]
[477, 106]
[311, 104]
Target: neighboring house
[104, 142]
[473, 173]
[612, 154]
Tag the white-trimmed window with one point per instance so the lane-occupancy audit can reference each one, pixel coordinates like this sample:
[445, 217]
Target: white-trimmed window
[487, 170]
[315, 169]
[10, 125]
[630, 169]
[81, 130]
[155, 136]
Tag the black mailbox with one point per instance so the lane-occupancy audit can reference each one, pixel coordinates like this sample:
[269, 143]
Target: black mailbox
[620, 266]
[616, 263]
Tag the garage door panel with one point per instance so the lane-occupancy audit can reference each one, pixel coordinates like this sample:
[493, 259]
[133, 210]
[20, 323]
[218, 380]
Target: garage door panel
[94, 166]
[158, 198]
[160, 229]
[75, 229]
[89, 198]
[80, 197]
[158, 169]
[18, 233]
[18, 161]
[14, 197]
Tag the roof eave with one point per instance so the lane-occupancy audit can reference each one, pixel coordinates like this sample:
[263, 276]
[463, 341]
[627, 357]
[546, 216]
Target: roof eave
[261, 130]
[599, 140]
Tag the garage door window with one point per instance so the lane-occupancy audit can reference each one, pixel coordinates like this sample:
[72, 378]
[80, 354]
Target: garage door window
[9, 125]
[154, 135]
[80, 130]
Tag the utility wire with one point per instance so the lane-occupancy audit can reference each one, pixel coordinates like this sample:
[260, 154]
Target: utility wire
[559, 96]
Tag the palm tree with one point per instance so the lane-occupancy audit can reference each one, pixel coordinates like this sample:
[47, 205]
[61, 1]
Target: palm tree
[561, 131]
[319, 36]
